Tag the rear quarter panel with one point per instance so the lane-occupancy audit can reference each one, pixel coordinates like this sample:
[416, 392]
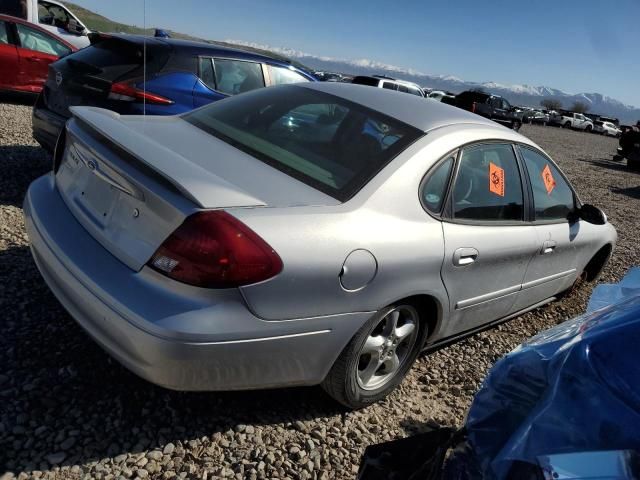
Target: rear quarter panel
[385, 218]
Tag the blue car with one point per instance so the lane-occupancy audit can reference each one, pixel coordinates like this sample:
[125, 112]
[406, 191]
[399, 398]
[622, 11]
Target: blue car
[167, 77]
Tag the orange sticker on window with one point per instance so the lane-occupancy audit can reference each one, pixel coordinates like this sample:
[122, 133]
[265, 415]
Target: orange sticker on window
[496, 179]
[547, 178]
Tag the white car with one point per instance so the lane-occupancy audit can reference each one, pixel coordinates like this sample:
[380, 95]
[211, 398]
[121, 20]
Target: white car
[388, 83]
[50, 15]
[607, 128]
[437, 95]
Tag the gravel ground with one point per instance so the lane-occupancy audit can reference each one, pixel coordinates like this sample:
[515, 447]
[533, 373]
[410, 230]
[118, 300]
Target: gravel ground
[68, 411]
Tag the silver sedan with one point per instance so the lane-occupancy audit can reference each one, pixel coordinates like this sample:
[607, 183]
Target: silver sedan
[301, 235]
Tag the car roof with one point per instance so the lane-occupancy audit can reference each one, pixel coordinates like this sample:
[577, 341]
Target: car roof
[410, 109]
[195, 48]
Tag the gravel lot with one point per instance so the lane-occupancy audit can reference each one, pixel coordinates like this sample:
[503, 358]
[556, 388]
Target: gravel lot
[68, 411]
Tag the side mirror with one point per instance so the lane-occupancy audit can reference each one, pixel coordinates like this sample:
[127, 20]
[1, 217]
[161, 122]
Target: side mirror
[592, 214]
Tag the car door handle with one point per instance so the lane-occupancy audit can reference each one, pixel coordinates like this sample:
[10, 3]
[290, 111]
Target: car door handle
[464, 256]
[548, 247]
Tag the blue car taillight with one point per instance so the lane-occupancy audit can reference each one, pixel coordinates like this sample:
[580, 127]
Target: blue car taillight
[128, 93]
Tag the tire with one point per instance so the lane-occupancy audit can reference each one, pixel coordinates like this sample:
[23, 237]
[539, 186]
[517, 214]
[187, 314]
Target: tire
[361, 359]
[588, 129]
[516, 125]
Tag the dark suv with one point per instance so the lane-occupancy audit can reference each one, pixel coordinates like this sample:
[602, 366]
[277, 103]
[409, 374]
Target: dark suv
[179, 76]
[490, 106]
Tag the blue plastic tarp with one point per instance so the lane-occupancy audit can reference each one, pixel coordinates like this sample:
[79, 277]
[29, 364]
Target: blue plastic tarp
[573, 388]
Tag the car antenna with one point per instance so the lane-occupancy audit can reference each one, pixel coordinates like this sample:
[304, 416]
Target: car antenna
[144, 59]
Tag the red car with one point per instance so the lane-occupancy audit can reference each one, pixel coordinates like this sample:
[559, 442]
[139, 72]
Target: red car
[26, 51]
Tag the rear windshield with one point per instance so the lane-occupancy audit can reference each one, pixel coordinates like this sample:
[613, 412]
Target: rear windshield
[116, 59]
[329, 143]
[372, 82]
[470, 97]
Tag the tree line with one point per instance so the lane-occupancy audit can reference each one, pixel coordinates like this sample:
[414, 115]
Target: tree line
[553, 104]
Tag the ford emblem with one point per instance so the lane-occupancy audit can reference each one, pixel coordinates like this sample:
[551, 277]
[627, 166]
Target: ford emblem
[58, 78]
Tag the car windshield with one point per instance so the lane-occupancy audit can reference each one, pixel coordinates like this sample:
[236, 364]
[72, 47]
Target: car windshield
[329, 143]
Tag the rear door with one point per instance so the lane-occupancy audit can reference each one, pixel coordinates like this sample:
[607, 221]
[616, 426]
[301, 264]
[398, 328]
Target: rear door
[37, 50]
[488, 244]
[499, 113]
[9, 59]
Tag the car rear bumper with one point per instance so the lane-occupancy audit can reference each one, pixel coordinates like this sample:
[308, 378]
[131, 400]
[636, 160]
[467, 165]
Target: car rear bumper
[47, 125]
[173, 335]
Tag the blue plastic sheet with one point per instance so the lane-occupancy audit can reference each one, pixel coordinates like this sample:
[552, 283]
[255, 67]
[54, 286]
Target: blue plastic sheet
[573, 388]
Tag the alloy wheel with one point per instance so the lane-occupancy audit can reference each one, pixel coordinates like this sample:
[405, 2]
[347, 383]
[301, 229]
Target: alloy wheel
[387, 348]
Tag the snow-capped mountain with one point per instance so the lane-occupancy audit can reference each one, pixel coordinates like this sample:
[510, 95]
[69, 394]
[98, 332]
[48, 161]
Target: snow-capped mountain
[521, 94]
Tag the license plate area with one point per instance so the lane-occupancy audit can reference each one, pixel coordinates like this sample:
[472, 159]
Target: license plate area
[96, 198]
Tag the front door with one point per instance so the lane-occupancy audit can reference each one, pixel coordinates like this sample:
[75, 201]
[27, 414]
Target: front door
[487, 243]
[37, 50]
[560, 241]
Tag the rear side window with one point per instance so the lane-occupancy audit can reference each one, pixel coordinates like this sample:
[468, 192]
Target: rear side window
[32, 39]
[327, 142]
[372, 82]
[488, 185]
[4, 38]
[236, 76]
[552, 196]
[435, 186]
[282, 76]
[390, 85]
[206, 73]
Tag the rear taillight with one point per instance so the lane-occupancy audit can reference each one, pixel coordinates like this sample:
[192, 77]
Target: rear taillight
[214, 249]
[126, 92]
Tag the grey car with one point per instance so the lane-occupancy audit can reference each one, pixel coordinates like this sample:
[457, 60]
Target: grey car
[300, 235]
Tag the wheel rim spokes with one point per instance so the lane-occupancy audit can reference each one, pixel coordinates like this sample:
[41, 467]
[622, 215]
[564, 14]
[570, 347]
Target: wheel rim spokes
[386, 348]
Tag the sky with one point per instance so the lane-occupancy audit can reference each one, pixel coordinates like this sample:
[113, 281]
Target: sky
[576, 46]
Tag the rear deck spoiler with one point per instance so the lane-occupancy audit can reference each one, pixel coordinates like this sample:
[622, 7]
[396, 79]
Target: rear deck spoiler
[201, 186]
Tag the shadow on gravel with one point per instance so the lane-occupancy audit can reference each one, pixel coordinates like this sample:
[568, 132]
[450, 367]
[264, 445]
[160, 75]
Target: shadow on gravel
[16, 98]
[19, 166]
[633, 192]
[63, 398]
[610, 164]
